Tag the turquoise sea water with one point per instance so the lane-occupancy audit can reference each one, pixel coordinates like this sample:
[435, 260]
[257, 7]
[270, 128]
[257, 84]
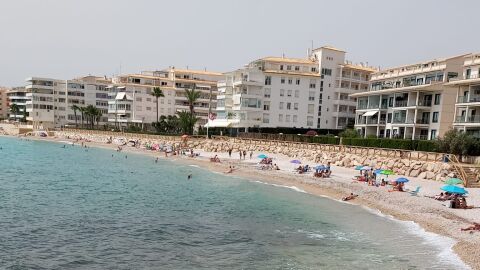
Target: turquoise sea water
[68, 208]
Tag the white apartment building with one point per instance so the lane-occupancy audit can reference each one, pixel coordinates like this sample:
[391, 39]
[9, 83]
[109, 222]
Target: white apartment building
[409, 102]
[309, 92]
[132, 103]
[49, 101]
[17, 95]
[467, 106]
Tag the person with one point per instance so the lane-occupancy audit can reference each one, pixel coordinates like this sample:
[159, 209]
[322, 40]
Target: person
[230, 153]
[63, 146]
[350, 197]
[463, 203]
[230, 169]
[474, 227]
[189, 176]
[439, 196]
[125, 156]
[275, 167]
[244, 154]
[240, 154]
[251, 154]
[156, 160]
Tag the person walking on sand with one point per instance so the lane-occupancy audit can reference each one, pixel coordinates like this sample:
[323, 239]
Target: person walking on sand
[244, 154]
[240, 154]
[230, 153]
[251, 154]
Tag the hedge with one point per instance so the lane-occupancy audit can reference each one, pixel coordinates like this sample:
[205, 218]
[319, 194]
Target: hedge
[416, 145]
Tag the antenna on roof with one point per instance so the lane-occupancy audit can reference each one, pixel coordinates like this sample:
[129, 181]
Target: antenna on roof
[312, 44]
[283, 55]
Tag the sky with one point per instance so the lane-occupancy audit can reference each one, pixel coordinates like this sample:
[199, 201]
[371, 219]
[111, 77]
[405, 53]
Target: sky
[64, 39]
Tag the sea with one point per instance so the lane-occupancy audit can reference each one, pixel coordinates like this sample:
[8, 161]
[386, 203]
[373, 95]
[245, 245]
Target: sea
[67, 207]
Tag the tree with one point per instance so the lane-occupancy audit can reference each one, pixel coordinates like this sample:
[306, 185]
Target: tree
[14, 109]
[75, 108]
[349, 133]
[187, 121]
[192, 96]
[459, 143]
[91, 112]
[157, 93]
[82, 113]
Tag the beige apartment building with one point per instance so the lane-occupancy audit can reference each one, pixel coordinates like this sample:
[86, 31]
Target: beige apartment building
[4, 106]
[410, 102]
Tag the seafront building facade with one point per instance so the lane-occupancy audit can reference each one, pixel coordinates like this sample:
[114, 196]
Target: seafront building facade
[409, 102]
[311, 92]
[467, 106]
[50, 101]
[17, 96]
[131, 101]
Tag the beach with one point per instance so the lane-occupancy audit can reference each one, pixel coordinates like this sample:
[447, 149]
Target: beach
[433, 216]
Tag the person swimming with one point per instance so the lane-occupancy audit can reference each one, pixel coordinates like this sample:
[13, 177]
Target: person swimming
[189, 176]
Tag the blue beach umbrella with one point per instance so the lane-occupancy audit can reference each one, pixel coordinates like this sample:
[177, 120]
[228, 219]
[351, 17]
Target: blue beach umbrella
[402, 180]
[366, 168]
[378, 171]
[359, 167]
[320, 167]
[295, 161]
[454, 189]
[262, 156]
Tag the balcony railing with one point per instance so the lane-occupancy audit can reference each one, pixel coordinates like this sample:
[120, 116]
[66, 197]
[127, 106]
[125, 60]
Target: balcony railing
[401, 103]
[468, 119]
[468, 99]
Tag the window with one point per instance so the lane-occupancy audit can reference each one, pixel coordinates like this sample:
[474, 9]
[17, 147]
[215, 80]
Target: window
[169, 101]
[297, 68]
[266, 118]
[281, 67]
[433, 134]
[149, 108]
[313, 84]
[289, 106]
[297, 82]
[295, 119]
[314, 69]
[268, 80]
[290, 80]
[437, 99]
[289, 93]
[468, 73]
[267, 93]
[282, 92]
[310, 108]
[266, 105]
[282, 80]
[309, 120]
[326, 71]
[280, 105]
[280, 118]
[297, 93]
[139, 99]
[295, 106]
[311, 96]
[287, 118]
[289, 67]
[389, 117]
[435, 117]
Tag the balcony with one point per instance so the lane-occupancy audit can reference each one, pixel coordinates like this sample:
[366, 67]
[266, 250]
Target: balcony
[475, 119]
[247, 82]
[468, 99]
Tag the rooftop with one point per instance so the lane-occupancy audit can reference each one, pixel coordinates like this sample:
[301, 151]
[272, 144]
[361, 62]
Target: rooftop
[192, 71]
[423, 62]
[329, 48]
[360, 67]
[288, 60]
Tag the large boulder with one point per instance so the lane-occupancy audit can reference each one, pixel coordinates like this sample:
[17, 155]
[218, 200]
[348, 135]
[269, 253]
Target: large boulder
[422, 175]
[430, 175]
[414, 173]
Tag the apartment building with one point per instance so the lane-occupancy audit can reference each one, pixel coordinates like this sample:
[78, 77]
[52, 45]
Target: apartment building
[4, 107]
[49, 101]
[17, 96]
[309, 92]
[409, 102]
[132, 102]
[467, 106]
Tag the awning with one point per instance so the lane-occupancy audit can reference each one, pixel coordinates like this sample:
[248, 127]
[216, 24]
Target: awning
[370, 113]
[218, 124]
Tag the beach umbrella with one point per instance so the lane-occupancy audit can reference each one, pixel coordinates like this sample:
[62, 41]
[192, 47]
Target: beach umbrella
[402, 180]
[295, 161]
[378, 171]
[262, 156]
[454, 189]
[386, 172]
[453, 181]
[358, 167]
[366, 168]
[320, 167]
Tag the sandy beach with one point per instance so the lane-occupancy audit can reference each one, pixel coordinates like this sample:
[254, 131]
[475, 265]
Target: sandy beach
[432, 215]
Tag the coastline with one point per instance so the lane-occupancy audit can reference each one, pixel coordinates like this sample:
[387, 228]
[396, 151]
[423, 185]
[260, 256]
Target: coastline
[435, 219]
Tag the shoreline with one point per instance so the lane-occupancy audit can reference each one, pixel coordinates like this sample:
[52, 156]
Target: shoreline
[430, 219]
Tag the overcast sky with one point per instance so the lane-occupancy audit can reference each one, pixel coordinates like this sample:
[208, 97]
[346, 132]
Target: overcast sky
[66, 38]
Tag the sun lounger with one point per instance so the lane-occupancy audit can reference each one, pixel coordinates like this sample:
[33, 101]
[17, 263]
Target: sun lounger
[415, 192]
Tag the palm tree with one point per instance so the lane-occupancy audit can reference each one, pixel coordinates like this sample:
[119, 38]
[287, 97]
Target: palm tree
[157, 93]
[91, 113]
[98, 115]
[187, 121]
[75, 108]
[192, 95]
[14, 109]
[82, 112]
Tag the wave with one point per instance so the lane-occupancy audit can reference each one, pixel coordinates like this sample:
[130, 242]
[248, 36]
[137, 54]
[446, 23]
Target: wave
[196, 166]
[283, 186]
[443, 243]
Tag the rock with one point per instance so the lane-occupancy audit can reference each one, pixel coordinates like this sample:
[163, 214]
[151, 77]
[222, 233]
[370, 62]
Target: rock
[414, 173]
[422, 175]
[430, 175]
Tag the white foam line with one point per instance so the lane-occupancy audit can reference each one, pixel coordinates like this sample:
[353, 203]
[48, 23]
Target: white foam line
[445, 244]
[275, 185]
[196, 166]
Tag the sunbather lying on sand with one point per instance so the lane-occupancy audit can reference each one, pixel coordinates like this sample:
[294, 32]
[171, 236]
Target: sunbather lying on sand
[474, 227]
[350, 197]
